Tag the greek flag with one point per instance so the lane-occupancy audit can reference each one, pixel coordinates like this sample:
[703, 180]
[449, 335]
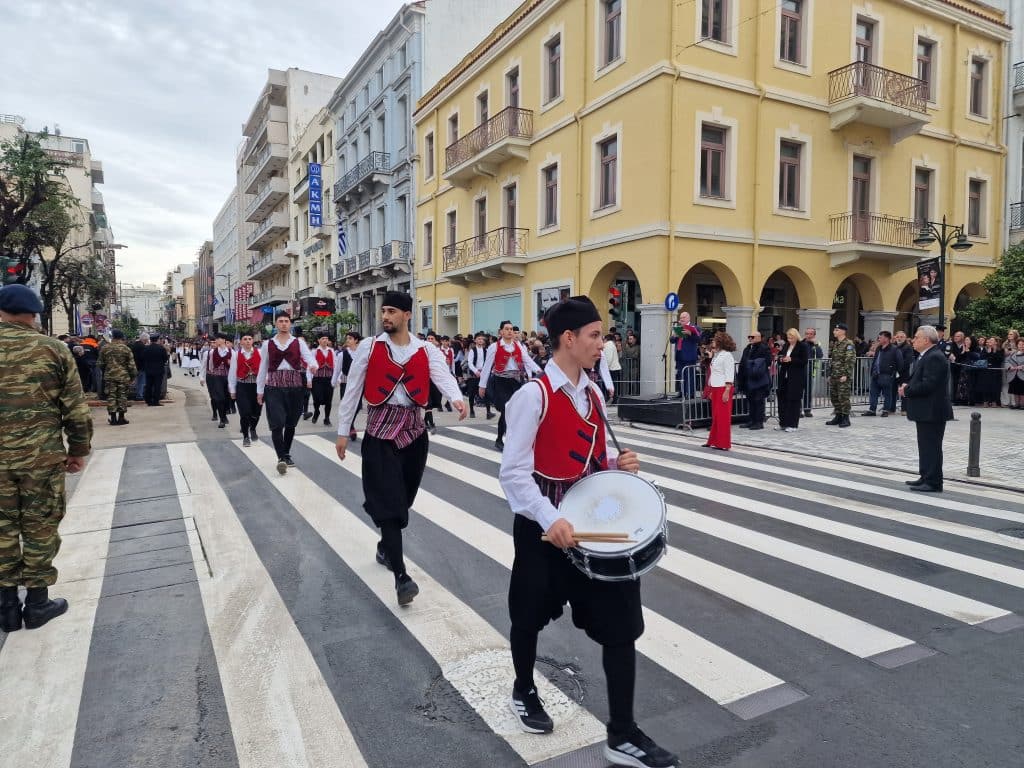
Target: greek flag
[342, 240]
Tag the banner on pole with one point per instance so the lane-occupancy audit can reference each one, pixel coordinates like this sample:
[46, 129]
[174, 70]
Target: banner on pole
[929, 286]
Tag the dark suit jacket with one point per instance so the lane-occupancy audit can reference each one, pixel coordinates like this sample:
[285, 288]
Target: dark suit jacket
[793, 375]
[153, 359]
[927, 391]
[889, 362]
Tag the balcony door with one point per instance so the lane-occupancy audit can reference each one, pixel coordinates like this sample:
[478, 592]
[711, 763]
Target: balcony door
[511, 217]
[481, 224]
[861, 197]
[865, 56]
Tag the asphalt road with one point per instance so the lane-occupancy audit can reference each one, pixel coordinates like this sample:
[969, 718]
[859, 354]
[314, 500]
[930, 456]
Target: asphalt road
[806, 616]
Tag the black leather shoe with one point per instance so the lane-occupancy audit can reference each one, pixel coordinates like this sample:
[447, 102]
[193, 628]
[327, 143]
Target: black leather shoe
[912, 483]
[499, 444]
[10, 609]
[807, 413]
[382, 557]
[868, 413]
[925, 488]
[316, 418]
[112, 419]
[756, 426]
[39, 609]
[406, 589]
[327, 422]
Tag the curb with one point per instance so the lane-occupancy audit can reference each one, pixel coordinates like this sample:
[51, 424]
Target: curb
[855, 462]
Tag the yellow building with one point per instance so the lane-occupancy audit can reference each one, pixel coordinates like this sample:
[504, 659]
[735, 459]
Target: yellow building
[765, 160]
[189, 306]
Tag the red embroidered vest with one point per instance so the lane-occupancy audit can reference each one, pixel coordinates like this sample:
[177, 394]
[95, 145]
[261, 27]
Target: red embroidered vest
[566, 442]
[449, 356]
[250, 367]
[215, 363]
[325, 358]
[502, 356]
[383, 375]
[291, 354]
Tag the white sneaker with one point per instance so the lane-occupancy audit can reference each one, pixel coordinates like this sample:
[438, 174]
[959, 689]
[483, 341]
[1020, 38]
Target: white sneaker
[790, 429]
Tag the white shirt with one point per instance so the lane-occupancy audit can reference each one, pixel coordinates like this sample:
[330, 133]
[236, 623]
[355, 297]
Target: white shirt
[261, 377]
[522, 413]
[606, 377]
[233, 369]
[440, 374]
[492, 353]
[339, 376]
[723, 369]
[475, 360]
[611, 356]
[332, 363]
[221, 353]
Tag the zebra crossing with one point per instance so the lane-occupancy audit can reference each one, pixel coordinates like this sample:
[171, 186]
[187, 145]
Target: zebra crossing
[787, 586]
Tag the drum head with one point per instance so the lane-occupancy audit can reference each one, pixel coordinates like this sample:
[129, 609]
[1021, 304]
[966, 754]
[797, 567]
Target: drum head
[614, 502]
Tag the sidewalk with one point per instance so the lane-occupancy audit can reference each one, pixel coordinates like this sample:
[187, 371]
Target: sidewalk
[165, 424]
[892, 442]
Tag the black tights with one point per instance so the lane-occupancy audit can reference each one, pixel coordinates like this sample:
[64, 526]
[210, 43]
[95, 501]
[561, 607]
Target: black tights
[391, 544]
[501, 425]
[619, 663]
[282, 439]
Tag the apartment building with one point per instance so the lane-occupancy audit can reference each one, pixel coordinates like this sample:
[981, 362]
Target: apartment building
[373, 153]
[204, 286]
[769, 162]
[189, 304]
[143, 302]
[227, 258]
[311, 242]
[1014, 95]
[289, 100]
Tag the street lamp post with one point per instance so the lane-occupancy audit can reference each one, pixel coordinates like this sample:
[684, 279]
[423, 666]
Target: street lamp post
[229, 312]
[946, 235]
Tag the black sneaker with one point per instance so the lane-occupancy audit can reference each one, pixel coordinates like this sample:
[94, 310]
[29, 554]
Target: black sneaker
[406, 589]
[499, 444]
[637, 749]
[382, 557]
[530, 711]
[246, 442]
[288, 461]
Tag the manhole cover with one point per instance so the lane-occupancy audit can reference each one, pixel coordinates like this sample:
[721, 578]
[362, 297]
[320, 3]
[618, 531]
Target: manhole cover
[1018, 532]
[478, 687]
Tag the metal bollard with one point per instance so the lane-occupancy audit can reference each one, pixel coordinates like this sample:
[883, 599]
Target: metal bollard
[974, 447]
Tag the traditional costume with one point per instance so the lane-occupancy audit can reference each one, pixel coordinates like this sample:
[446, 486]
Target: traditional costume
[506, 369]
[282, 383]
[323, 388]
[242, 376]
[215, 377]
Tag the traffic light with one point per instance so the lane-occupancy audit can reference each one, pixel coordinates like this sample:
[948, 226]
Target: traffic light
[13, 269]
[614, 302]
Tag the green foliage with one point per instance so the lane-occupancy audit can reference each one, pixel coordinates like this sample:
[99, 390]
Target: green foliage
[1002, 306]
[80, 281]
[127, 323]
[239, 329]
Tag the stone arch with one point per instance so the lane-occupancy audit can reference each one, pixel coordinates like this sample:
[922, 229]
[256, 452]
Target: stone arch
[907, 316]
[783, 294]
[806, 292]
[617, 272]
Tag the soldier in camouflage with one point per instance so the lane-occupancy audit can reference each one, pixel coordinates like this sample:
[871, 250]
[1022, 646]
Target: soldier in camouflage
[843, 358]
[40, 398]
[118, 365]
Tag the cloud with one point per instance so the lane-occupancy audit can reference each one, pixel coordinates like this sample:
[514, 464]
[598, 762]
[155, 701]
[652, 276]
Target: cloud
[160, 88]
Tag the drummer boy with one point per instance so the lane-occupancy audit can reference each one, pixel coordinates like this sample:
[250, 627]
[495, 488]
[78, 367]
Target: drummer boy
[556, 437]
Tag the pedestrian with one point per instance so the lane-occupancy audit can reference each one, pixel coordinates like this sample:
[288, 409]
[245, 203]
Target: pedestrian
[843, 358]
[140, 380]
[506, 369]
[612, 363]
[906, 362]
[990, 378]
[686, 343]
[281, 384]
[118, 365]
[556, 437]
[885, 366]
[352, 339]
[242, 374]
[754, 378]
[214, 377]
[41, 402]
[393, 372]
[792, 361]
[474, 363]
[154, 363]
[814, 368]
[929, 407]
[1009, 348]
[1015, 369]
[722, 374]
[322, 388]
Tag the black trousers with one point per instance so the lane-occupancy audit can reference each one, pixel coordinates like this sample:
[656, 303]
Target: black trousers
[789, 411]
[154, 386]
[500, 390]
[249, 409]
[284, 409]
[217, 386]
[756, 401]
[341, 396]
[391, 478]
[929, 450]
[323, 396]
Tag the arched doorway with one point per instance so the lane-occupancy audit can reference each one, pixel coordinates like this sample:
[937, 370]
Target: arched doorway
[907, 315]
[785, 292]
[856, 293]
[616, 293]
[963, 298]
[704, 290]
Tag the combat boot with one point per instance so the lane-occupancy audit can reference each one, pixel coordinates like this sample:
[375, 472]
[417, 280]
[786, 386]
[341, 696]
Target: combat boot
[834, 421]
[112, 419]
[121, 419]
[845, 421]
[10, 609]
[39, 609]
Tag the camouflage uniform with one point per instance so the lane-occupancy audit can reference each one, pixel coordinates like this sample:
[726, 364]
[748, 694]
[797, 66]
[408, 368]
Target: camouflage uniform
[40, 395]
[843, 360]
[118, 364]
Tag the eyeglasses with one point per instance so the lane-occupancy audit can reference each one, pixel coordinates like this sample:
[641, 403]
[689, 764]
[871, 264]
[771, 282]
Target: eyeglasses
[750, 338]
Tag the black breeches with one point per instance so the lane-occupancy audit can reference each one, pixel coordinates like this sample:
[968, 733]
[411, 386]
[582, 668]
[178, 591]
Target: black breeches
[248, 409]
[323, 395]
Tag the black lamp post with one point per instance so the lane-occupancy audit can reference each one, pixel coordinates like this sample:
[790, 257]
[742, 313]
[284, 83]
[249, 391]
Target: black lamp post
[946, 235]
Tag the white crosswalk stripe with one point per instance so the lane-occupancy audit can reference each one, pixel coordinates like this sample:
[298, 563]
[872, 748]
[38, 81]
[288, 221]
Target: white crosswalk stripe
[285, 708]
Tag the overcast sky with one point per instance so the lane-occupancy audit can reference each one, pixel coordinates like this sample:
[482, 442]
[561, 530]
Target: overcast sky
[160, 88]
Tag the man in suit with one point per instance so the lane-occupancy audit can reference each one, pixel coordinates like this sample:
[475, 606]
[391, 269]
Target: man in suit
[929, 406]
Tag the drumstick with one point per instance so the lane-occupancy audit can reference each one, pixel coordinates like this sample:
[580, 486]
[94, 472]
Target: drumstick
[611, 434]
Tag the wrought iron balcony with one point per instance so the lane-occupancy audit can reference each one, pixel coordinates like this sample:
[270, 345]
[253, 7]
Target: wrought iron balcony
[267, 264]
[1018, 85]
[1016, 216]
[856, 235]
[268, 194]
[304, 292]
[395, 251]
[479, 152]
[866, 93]
[370, 167]
[272, 296]
[486, 256]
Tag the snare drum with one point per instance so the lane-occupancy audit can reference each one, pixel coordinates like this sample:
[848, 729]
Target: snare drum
[616, 501]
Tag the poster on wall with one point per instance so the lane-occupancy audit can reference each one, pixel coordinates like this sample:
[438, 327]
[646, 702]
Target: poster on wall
[548, 296]
[929, 286]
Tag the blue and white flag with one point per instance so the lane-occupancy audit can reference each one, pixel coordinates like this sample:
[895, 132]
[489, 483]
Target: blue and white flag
[342, 239]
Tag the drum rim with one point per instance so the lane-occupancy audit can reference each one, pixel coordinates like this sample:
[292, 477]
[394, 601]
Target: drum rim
[661, 528]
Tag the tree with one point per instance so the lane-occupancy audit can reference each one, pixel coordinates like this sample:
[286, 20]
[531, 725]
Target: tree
[128, 323]
[81, 281]
[1002, 306]
[65, 228]
[33, 192]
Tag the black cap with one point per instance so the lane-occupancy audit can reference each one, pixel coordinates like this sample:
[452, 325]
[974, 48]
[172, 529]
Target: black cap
[570, 315]
[19, 299]
[842, 327]
[398, 299]
[117, 333]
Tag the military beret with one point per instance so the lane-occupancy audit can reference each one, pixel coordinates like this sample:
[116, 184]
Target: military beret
[117, 333]
[842, 326]
[19, 299]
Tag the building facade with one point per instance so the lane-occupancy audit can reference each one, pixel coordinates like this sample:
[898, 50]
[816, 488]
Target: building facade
[1015, 124]
[144, 303]
[204, 288]
[289, 100]
[768, 162]
[189, 304]
[373, 196]
[226, 260]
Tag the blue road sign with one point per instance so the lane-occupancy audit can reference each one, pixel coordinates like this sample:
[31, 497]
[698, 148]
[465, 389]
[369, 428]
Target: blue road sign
[672, 302]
